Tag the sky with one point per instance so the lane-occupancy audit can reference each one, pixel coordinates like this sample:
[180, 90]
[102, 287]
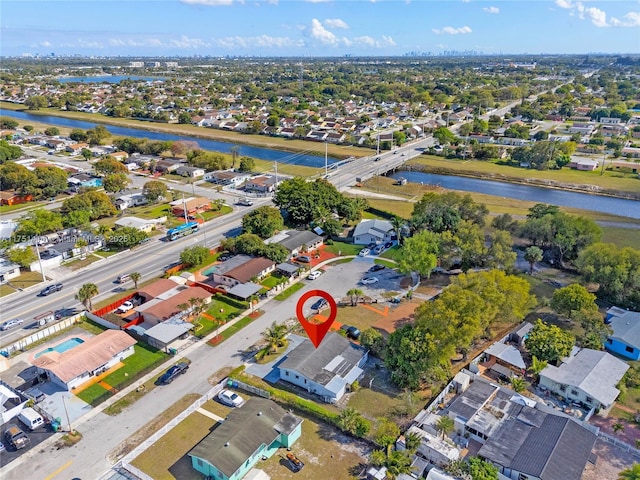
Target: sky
[311, 28]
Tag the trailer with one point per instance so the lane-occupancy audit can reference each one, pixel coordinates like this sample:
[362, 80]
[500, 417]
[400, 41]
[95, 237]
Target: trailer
[294, 462]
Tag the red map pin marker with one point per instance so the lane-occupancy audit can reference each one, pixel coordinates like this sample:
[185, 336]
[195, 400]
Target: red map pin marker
[316, 331]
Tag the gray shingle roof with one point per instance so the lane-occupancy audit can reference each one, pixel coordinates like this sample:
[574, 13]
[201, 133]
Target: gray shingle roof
[296, 238]
[374, 227]
[259, 421]
[626, 327]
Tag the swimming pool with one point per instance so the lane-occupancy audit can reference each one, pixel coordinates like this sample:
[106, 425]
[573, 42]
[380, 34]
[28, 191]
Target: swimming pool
[209, 270]
[62, 347]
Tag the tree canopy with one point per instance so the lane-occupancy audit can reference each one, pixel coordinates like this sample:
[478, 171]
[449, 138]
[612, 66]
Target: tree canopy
[549, 342]
[264, 221]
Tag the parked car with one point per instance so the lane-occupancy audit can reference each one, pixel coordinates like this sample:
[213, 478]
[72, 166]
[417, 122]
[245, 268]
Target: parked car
[245, 202]
[11, 323]
[230, 398]
[50, 289]
[167, 377]
[315, 274]
[377, 267]
[303, 259]
[364, 252]
[125, 307]
[225, 256]
[295, 464]
[388, 245]
[320, 305]
[369, 280]
[35, 394]
[16, 437]
[351, 331]
[378, 250]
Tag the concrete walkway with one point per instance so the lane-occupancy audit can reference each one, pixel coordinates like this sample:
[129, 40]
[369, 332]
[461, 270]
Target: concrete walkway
[209, 414]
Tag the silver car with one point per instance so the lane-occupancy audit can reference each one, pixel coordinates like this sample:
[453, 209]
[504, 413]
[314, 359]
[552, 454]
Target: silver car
[11, 323]
[230, 398]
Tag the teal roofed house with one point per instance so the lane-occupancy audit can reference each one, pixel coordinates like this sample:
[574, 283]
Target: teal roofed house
[259, 428]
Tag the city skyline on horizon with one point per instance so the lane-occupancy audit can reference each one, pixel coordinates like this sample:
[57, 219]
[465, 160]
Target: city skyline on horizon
[318, 28]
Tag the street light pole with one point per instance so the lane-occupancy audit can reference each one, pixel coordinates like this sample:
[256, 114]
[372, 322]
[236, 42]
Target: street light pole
[66, 412]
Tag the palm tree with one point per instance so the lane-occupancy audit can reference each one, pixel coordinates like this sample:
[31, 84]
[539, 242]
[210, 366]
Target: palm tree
[354, 293]
[445, 425]
[518, 384]
[632, 473]
[103, 230]
[537, 366]
[197, 306]
[412, 441]
[275, 336]
[398, 463]
[532, 255]
[135, 276]
[82, 243]
[348, 420]
[397, 223]
[183, 307]
[86, 293]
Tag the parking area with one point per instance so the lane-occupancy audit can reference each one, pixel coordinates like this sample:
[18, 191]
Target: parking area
[36, 437]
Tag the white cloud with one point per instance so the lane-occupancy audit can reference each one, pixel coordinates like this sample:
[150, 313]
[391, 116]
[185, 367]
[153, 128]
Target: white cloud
[210, 3]
[452, 30]
[367, 41]
[262, 41]
[45, 44]
[183, 43]
[494, 10]
[320, 33]
[335, 23]
[597, 16]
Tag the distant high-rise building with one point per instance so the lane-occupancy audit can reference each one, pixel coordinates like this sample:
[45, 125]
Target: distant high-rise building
[171, 64]
[136, 64]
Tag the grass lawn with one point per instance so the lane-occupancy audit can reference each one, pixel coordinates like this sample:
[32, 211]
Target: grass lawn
[271, 281]
[26, 280]
[216, 408]
[81, 263]
[343, 248]
[373, 404]
[4, 209]
[289, 291]
[141, 360]
[236, 327]
[393, 253]
[323, 449]
[622, 237]
[358, 316]
[91, 393]
[210, 259]
[225, 309]
[151, 211]
[402, 209]
[6, 290]
[386, 263]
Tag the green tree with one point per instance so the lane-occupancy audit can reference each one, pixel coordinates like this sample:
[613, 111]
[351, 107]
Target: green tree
[533, 255]
[548, 342]
[372, 339]
[76, 218]
[135, 276]
[275, 336]
[97, 134]
[192, 256]
[126, 237]
[444, 136]
[115, 182]
[52, 131]
[420, 254]
[264, 221]
[412, 441]
[247, 164]
[86, 293]
[387, 432]
[398, 223]
[78, 135]
[632, 473]
[518, 384]
[86, 154]
[98, 204]
[503, 222]
[347, 420]
[14, 176]
[39, 221]
[500, 253]
[573, 298]
[354, 293]
[22, 256]
[537, 366]
[53, 180]
[154, 190]
[445, 425]
[36, 102]
[109, 166]
[482, 470]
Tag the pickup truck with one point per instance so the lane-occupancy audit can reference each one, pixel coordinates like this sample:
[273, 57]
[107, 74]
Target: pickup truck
[16, 438]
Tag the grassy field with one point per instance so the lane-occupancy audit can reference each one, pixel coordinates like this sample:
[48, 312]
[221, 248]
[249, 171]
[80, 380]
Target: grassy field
[289, 291]
[610, 180]
[343, 248]
[225, 309]
[26, 280]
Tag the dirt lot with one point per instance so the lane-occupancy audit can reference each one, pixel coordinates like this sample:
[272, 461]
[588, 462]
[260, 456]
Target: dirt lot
[611, 461]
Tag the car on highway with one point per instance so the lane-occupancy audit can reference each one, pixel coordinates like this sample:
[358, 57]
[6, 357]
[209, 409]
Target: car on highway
[230, 398]
[245, 202]
[404, 154]
[125, 307]
[315, 274]
[351, 331]
[369, 280]
[50, 289]
[377, 267]
[320, 305]
[167, 377]
[377, 159]
[11, 323]
[364, 252]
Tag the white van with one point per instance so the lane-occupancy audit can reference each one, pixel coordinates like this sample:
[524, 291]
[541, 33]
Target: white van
[123, 278]
[30, 418]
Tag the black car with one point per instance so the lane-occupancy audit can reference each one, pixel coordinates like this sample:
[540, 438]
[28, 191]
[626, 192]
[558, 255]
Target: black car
[225, 256]
[167, 377]
[388, 245]
[351, 331]
[377, 267]
[319, 305]
[50, 289]
[303, 259]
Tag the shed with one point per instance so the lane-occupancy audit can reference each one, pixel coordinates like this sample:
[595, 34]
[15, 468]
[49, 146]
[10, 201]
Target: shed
[245, 290]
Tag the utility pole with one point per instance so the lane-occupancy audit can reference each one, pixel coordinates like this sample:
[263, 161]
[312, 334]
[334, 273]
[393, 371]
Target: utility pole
[378, 147]
[184, 209]
[275, 163]
[326, 170]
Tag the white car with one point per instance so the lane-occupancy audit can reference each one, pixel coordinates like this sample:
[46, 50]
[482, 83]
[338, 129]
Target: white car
[11, 323]
[231, 399]
[364, 252]
[125, 307]
[315, 274]
[369, 280]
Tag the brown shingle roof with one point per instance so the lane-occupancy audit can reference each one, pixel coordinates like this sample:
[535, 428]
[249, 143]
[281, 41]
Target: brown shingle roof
[157, 288]
[167, 308]
[250, 269]
[86, 357]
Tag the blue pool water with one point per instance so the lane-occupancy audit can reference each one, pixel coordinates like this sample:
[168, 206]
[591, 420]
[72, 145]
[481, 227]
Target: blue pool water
[62, 347]
[209, 270]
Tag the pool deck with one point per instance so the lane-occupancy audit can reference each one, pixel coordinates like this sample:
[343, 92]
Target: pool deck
[55, 342]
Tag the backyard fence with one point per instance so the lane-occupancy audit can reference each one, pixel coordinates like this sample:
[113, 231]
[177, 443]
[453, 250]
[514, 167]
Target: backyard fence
[23, 343]
[249, 388]
[619, 444]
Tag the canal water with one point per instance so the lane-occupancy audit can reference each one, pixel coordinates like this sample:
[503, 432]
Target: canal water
[563, 198]
[213, 145]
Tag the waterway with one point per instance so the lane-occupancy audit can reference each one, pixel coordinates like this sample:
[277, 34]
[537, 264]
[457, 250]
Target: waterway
[563, 198]
[109, 79]
[213, 145]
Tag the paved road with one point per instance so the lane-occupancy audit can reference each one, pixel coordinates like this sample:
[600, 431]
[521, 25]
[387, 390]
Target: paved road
[101, 433]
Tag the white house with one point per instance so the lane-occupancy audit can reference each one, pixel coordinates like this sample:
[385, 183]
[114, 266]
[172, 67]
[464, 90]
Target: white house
[192, 172]
[589, 377]
[142, 224]
[8, 270]
[373, 231]
[131, 200]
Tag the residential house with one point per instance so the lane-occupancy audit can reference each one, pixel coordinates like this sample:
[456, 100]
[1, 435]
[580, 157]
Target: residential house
[8, 270]
[252, 267]
[433, 447]
[317, 135]
[581, 163]
[57, 144]
[505, 360]
[131, 200]
[81, 363]
[610, 120]
[582, 128]
[67, 245]
[157, 288]
[589, 378]
[191, 172]
[76, 148]
[142, 224]
[625, 339]
[262, 184]
[631, 152]
[226, 177]
[248, 434]
[11, 402]
[374, 231]
[190, 206]
[162, 335]
[327, 371]
[170, 303]
[84, 180]
[168, 165]
[297, 241]
[11, 197]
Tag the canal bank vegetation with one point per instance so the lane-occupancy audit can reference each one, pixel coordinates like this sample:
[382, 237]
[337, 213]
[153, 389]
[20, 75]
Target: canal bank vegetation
[611, 183]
